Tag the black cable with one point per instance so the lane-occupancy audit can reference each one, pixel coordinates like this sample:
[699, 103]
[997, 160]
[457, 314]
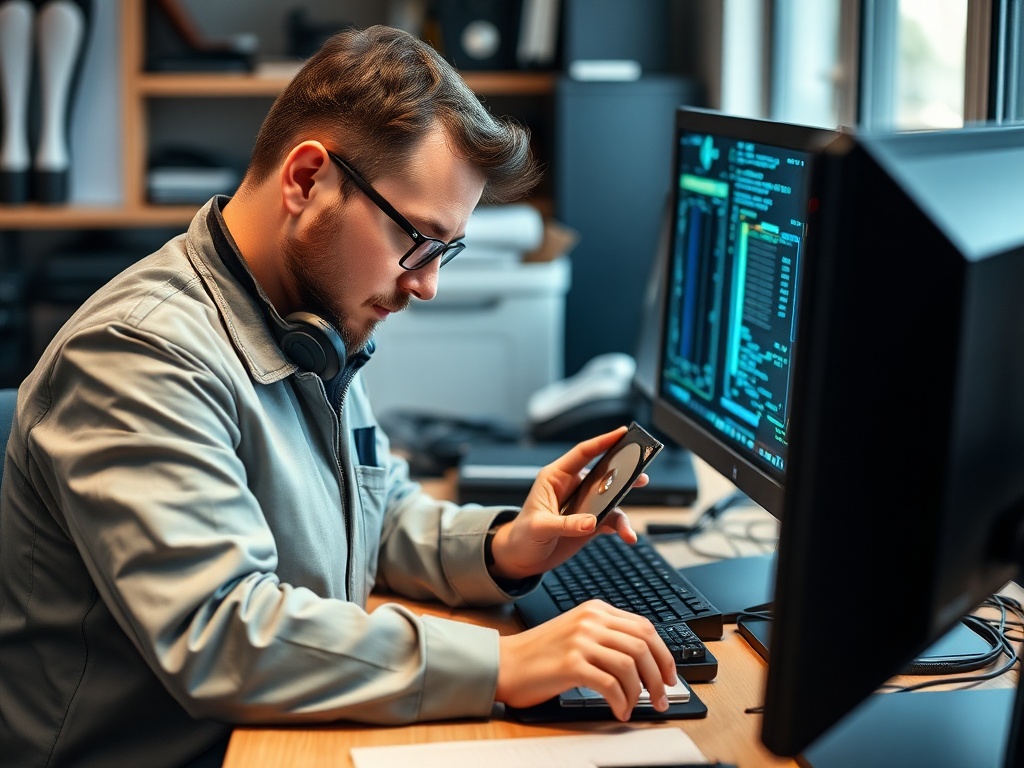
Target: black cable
[766, 615]
[712, 520]
[996, 631]
[967, 662]
[1011, 660]
[732, 539]
[710, 514]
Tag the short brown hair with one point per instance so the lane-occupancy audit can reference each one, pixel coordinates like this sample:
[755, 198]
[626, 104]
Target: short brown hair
[374, 93]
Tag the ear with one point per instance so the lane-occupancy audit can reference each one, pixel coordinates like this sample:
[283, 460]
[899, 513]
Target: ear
[305, 173]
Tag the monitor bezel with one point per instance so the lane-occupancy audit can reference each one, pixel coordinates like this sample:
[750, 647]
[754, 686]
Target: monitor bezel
[758, 482]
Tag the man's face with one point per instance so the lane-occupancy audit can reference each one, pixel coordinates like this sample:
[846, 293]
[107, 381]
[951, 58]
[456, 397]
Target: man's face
[344, 264]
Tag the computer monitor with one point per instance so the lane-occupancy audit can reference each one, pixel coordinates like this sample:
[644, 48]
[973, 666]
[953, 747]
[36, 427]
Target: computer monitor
[904, 498]
[732, 291]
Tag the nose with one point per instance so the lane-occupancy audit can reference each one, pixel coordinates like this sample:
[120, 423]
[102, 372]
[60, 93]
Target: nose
[422, 282]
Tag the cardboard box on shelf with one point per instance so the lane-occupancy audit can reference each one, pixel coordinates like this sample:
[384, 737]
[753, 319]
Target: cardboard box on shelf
[558, 240]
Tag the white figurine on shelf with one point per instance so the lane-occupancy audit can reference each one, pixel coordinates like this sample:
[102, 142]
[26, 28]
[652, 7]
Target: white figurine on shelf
[60, 39]
[16, 21]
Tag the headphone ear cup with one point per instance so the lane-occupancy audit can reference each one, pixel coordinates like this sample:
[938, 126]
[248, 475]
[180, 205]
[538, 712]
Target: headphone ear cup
[313, 344]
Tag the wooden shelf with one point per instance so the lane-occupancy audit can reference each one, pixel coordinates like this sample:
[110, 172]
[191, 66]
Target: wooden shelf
[241, 84]
[511, 83]
[35, 216]
[173, 85]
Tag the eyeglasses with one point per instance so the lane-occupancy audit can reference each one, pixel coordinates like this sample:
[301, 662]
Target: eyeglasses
[424, 249]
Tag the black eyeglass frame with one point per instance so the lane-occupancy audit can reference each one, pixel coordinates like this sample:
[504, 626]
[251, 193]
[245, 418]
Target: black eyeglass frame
[446, 251]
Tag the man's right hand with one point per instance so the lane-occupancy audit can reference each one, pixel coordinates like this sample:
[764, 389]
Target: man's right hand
[595, 645]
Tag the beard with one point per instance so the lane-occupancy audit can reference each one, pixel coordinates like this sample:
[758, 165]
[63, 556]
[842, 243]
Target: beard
[314, 262]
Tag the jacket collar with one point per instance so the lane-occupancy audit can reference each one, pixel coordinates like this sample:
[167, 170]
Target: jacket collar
[245, 311]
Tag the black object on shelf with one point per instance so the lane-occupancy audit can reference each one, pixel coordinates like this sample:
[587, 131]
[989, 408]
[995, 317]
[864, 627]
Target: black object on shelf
[185, 176]
[305, 37]
[480, 34]
[433, 444]
[201, 61]
[612, 262]
[175, 43]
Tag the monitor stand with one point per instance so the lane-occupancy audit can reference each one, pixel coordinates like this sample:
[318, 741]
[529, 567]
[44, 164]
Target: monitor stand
[924, 729]
[739, 587]
[756, 630]
[920, 729]
[735, 585]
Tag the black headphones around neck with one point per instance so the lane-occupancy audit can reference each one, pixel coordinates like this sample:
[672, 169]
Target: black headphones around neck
[310, 342]
[306, 339]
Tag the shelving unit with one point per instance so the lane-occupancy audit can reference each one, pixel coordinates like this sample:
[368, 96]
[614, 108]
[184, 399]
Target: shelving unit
[139, 87]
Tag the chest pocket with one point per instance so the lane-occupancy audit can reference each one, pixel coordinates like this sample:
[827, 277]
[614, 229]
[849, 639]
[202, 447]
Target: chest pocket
[371, 488]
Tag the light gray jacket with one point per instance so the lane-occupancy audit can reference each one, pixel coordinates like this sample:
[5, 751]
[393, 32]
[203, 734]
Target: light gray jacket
[188, 538]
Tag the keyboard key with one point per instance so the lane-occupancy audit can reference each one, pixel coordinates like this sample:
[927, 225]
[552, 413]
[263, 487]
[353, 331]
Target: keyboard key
[635, 578]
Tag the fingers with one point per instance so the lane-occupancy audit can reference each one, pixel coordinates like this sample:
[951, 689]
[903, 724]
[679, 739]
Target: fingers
[618, 522]
[583, 524]
[576, 525]
[541, 537]
[641, 480]
[559, 478]
[581, 454]
[595, 645]
[636, 657]
[626, 655]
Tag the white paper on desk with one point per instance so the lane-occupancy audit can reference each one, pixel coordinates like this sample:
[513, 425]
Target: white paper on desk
[641, 745]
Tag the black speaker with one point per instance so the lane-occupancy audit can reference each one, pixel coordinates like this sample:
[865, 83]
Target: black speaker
[635, 30]
[480, 34]
[614, 155]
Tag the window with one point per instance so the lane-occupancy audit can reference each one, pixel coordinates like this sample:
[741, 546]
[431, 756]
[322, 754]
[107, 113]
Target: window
[896, 64]
[913, 63]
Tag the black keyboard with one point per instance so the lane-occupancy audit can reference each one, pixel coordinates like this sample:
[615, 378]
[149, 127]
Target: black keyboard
[638, 579]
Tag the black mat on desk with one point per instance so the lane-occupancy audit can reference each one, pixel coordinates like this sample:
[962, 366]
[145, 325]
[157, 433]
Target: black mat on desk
[552, 712]
[922, 729]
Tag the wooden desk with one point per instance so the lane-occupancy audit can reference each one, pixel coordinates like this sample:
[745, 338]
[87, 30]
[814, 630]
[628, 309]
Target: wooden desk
[727, 734]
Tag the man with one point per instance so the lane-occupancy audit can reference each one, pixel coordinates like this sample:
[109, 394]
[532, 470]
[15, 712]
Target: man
[197, 500]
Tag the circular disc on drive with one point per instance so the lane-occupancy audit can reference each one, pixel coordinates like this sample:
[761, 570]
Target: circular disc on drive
[616, 476]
